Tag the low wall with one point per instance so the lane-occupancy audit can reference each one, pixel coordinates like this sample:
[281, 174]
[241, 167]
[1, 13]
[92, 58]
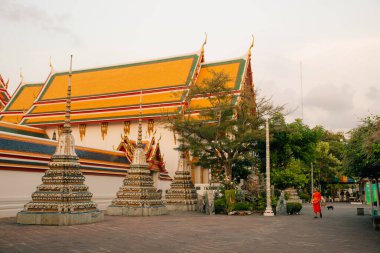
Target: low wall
[16, 188]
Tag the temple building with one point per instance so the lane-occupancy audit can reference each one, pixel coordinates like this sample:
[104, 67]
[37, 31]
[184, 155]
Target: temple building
[105, 111]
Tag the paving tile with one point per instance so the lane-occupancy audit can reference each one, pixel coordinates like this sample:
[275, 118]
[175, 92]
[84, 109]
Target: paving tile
[341, 230]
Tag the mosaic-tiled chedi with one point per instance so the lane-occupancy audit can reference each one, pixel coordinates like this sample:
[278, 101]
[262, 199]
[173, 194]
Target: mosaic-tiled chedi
[182, 195]
[62, 198]
[137, 196]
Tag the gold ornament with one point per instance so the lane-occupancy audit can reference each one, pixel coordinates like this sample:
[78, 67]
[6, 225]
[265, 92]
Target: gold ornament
[127, 127]
[82, 131]
[104, 128]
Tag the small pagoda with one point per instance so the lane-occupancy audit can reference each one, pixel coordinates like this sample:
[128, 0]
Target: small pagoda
[62, 198]
[182, 195]
[137, 196]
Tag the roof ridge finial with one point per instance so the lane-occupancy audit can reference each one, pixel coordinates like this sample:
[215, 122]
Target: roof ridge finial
[21, 76]
[51, 65]
[67, 125]
[139, 138]
[6, 84]
[251, 46]
[204, 44]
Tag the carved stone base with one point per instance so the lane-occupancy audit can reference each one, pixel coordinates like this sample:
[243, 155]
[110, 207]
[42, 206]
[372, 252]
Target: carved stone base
[268, 212]
[59, 219]
[136, 211]
[182, 208]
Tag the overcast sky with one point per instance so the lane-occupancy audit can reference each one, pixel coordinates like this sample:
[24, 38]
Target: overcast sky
[338, 43]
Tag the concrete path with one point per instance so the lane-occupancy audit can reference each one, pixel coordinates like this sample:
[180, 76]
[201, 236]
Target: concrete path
[340, 230]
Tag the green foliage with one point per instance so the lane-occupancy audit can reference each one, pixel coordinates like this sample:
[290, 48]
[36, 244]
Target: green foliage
[293, 208]
[224, 137]
[295, 146]
[220, 206]
[296, 174]
[230, 196]
[243, 206]
[293, 141]
[328, 164]
[304, 196]
[259, 204]
[362, 156]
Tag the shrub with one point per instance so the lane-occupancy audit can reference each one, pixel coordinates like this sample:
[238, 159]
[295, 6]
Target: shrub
[259, 204]
[242, 206]
[220, 206]
[304, 196]
[293, 208]
[230, 196]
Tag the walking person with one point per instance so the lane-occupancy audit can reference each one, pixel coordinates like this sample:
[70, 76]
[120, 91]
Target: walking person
[317, 197]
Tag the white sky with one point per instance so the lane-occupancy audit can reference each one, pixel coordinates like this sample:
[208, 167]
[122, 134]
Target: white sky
[337, 41]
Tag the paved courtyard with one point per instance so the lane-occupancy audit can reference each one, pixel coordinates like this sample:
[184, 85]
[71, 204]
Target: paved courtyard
[340, 230]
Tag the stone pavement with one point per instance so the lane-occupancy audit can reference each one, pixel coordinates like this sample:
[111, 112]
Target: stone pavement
[340, 230]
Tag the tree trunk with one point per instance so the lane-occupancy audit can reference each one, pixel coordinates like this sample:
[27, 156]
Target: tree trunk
[228, 175]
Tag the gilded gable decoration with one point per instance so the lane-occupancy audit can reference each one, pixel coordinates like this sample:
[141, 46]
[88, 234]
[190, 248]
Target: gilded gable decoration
[82, 131]
[104, 129]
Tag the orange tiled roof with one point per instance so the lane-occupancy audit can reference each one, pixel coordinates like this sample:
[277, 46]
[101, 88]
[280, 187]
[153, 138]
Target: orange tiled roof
[235, 69]
[113, 93]
[20, 102]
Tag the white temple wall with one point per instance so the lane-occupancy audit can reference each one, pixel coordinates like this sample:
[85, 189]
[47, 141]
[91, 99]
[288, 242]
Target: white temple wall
[93, 138]
[16, 188]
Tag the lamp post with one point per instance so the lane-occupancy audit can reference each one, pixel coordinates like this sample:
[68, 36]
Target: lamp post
[268, 211]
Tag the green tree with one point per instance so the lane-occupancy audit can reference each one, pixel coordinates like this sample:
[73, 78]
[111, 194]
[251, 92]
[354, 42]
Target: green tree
[293, 147]
[295, 174]
[362, 155]
[225, 135]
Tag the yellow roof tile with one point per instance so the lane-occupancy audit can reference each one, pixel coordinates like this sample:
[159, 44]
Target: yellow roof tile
[234, 69]
[24, 97]
[12, 118]
[131, 77]
[112, 93]
[119, 101]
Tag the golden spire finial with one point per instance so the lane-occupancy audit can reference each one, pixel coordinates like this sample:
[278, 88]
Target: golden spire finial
[251, 46]
[139, 138]
[204, 43]
[51, 65]
[67, 125]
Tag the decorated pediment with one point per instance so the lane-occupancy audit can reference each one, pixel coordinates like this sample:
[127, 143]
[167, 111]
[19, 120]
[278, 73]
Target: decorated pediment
[152, 151]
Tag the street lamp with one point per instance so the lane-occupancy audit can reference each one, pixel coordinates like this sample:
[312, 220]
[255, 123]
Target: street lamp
[268, 211]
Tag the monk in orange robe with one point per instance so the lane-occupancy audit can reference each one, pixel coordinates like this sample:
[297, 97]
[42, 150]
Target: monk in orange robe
[317, 197]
